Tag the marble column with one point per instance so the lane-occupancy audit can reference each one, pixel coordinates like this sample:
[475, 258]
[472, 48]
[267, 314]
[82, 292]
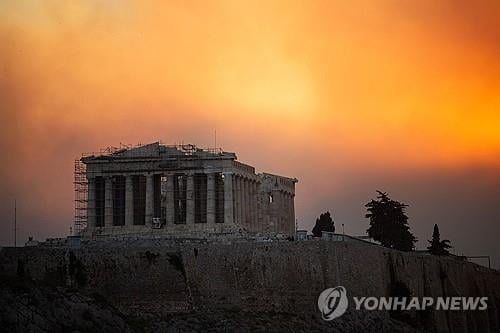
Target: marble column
[257, 198]
[129, 201]
[258, 214]
[250, 202]
[149, 199]
[238, 200]
[211, 199]
[245, 203]
[170, 204]
[190, 199]
[228, 198]
[242, 200]
[252, 205]
[236, 203]
[108, 202]
[91, 203]
[281, 206]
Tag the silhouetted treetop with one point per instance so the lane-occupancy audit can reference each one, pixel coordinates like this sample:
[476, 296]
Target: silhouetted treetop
[437, 246]
[389, 223]
[323, 223]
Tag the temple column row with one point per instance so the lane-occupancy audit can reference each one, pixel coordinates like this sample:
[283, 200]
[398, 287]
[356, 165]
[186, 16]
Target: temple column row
[190, 200]
[245, 203]
[253, 205]
[170, 203]
[238, 200]
[149, 211]
[210, 198]
[284, 201]
[129, 201]
[149, 200]
[108, 201]
[228, 198]
[91, 202]
[246, 217]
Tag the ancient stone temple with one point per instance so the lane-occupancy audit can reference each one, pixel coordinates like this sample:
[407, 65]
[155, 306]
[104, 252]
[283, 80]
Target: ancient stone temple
[161, 189]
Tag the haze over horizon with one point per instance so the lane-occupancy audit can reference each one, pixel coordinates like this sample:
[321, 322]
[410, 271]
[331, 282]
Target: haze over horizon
[349, 98]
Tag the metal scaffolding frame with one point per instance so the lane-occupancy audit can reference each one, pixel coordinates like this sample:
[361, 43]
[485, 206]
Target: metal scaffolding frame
[81, 196]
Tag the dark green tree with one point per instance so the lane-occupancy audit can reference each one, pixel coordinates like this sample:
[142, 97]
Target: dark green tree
[437, 246]
[323, 223]
[389, 223]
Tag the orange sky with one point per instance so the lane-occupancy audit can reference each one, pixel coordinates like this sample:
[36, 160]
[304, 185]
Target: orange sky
[340, 94]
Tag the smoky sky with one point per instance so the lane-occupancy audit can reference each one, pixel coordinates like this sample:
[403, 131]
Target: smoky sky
[349, 98]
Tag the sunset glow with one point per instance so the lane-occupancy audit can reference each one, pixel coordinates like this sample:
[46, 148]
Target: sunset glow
[340, 94]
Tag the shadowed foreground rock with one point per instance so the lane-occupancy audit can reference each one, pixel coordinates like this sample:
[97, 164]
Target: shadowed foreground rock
[30, 308]
[246, 286]
[26, 307]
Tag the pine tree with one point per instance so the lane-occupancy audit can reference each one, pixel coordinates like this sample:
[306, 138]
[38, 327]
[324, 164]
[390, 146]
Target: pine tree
[389, 223]
[323, 223]
[437, 246]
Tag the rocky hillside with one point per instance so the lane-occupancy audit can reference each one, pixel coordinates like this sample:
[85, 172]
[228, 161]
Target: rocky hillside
[34, 307]
[239, 286]
[28, 306]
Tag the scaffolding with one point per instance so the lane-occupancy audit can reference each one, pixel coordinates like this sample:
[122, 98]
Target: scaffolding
[82, 187]
[81, 195]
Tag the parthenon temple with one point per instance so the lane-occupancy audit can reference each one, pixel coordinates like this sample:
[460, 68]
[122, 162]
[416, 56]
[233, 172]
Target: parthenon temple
[176, 189]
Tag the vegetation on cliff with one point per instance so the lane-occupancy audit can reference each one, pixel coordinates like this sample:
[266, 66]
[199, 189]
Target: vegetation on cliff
[437, 246]
[389, 223]
[323, 223]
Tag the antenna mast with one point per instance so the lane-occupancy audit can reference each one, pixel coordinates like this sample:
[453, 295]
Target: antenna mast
[15, 223]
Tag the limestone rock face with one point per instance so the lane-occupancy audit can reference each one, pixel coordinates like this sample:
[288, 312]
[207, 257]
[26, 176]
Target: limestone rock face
[30, 308]
[26, 307]
[253, 285]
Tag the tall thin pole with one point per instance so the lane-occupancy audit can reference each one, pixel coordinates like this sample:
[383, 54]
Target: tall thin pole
[15, 223]
[215, 138]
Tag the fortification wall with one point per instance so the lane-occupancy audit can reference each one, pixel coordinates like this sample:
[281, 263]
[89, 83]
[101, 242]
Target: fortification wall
[275, 276]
